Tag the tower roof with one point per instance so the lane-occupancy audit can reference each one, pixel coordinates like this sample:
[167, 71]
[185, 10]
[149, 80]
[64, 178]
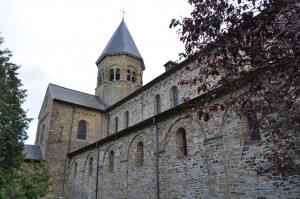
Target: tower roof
[121, 43]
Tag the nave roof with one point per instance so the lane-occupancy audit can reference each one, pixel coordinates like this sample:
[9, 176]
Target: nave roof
[76, 97]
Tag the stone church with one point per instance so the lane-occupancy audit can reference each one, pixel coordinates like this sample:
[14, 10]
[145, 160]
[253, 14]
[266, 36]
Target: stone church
[135, 141]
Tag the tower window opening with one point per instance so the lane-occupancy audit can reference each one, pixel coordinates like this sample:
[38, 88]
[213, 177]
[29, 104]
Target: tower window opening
[133, 77]
[111, 75]
[128, 75]
[118, 74]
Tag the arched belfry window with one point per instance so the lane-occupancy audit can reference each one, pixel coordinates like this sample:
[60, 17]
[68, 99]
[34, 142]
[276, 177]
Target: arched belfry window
[114, 74]
[118, 74]
[111, 75]
[126, 119]
[128, 75]
[81, 132]
[181, 142]
[111, 161]
[175, 96]
[91, 161]
[140, 154]
[131, 76]
[157, 104]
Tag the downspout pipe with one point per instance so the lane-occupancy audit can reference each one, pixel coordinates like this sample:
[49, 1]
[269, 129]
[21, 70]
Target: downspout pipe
[97, 172]
[157, 159]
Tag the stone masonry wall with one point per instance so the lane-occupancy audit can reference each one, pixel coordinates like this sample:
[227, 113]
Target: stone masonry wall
[44, 123]
[142, 106]
[62, 139]
[220, 163]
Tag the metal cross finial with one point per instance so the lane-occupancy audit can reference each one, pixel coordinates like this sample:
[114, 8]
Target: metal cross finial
[123, 11]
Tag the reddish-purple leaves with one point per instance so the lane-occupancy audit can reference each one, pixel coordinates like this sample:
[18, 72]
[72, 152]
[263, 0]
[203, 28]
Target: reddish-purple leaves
[235, 43]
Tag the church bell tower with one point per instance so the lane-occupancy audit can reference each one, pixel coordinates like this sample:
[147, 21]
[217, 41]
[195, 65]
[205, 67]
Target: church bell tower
[120, 67]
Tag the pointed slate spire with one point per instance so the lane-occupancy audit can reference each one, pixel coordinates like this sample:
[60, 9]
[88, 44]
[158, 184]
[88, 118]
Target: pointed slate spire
[121, 43]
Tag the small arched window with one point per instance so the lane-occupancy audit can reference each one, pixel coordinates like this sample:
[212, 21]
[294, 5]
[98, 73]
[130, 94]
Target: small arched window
[111, 75]
[157, 104]
[126, 119]
[175, 96]
[81, 132]
[118, 74]
[131, 76]
[111, 161]
[116, 124]
[140, 154]
[181, 142]
[75, 169]
[91, 161]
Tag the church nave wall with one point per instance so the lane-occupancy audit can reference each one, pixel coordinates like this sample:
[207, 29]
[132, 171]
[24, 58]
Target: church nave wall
[143, 105]
[216, 161]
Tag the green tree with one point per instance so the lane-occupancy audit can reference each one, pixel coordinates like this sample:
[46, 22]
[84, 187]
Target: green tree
[13, 126]
[33, 180]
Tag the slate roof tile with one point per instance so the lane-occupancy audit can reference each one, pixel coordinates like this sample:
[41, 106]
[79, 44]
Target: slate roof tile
[33, 152]
[121, 43]
[76, 97]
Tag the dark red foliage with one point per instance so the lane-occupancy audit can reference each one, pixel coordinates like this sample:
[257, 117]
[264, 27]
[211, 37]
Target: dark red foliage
[254, 43]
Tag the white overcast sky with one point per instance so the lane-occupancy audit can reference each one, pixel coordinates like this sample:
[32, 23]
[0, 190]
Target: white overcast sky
[58, 41]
